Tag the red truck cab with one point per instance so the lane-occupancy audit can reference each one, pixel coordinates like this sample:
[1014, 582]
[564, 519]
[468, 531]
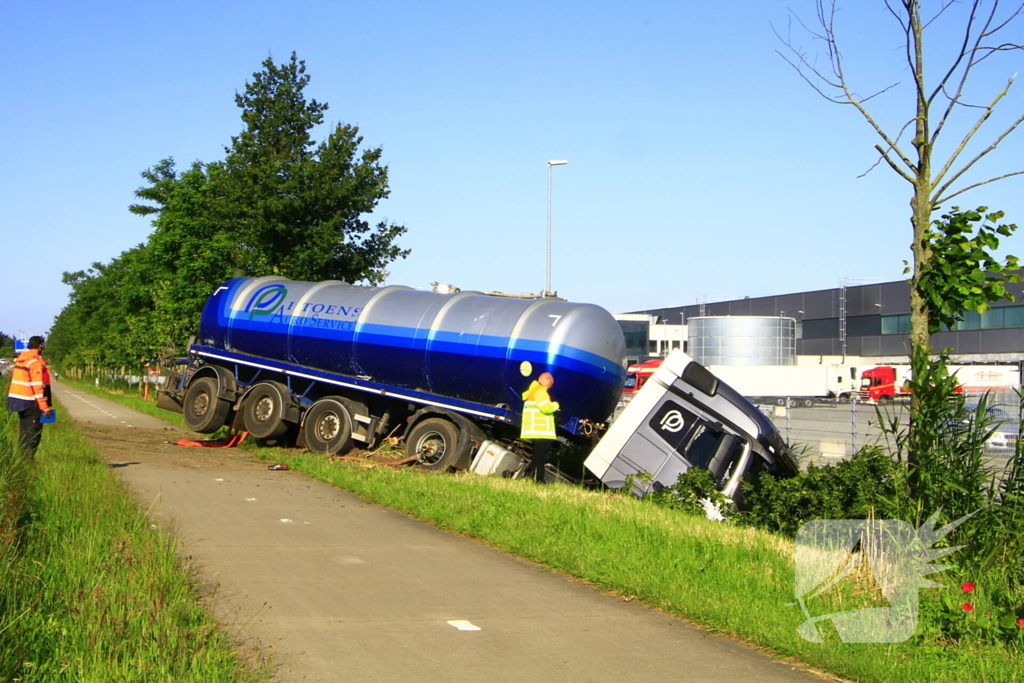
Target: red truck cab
[638, 374]
[887, 382]
[878, 384]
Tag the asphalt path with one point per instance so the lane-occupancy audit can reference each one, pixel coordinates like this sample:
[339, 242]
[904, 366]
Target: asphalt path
[336, 589]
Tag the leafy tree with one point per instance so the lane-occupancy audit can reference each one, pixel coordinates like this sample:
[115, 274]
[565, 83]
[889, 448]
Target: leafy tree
[965, 276]
[280, 203]
[297, 206]
[92, 330]
[188, 254]
[6, 346]
[933, 107]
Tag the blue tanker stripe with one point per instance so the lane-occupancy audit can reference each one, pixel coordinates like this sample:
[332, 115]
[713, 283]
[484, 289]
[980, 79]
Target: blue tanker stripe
[344, 380]
[495, 347]
[485, 346]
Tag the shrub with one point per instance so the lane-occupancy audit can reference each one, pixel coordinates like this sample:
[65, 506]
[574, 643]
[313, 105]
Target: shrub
[694, 491]
[868, 484]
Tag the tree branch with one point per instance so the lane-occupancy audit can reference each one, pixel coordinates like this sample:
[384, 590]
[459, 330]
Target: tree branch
[967, 137]
[909, 178]
[938, 201]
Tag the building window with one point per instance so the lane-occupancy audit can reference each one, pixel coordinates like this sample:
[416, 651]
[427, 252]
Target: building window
[896, 324]
[1013, 316]
[992, 319]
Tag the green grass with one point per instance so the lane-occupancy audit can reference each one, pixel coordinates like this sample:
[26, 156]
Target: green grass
[90, 590]
[730, 579]
[734, 580]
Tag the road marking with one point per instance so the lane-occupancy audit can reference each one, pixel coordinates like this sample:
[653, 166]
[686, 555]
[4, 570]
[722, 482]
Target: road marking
[463, 625]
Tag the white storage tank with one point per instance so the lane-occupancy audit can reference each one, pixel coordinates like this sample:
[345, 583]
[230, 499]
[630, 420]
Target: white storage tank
[742, 340]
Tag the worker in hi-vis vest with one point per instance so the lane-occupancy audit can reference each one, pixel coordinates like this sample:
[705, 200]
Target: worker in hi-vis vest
[539, 424]
[29, 395]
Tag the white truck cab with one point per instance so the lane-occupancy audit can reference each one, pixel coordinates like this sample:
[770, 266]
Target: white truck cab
[683, 417]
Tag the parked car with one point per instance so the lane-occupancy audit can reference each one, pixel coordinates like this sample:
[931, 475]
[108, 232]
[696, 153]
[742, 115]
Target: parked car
[1006, 428]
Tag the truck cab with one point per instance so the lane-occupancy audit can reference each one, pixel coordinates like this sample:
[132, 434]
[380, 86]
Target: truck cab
[638, 374]
[684, 417]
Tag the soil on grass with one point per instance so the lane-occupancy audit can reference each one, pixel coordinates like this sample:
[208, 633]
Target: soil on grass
[121, 447]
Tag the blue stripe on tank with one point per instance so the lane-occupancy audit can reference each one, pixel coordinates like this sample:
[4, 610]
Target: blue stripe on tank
[486, 346]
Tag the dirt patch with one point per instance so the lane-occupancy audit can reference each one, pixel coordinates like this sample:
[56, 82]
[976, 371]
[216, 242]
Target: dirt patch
[122, 447]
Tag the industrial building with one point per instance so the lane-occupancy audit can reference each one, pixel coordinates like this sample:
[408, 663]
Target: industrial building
[862, 320]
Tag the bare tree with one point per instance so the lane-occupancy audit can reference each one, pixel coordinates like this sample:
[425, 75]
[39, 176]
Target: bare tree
[934, 181]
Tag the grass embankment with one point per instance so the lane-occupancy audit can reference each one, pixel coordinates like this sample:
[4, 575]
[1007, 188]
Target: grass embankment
[89, 591]
[730, 579]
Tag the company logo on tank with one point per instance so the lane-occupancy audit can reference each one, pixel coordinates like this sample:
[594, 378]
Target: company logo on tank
[271, 301]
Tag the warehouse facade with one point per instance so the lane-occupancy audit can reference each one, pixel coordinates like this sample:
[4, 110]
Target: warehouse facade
[871, 320]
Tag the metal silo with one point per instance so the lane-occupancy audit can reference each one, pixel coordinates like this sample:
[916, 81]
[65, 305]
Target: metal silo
[742, 340]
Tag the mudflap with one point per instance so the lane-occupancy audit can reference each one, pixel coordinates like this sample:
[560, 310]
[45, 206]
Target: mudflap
[168, 402]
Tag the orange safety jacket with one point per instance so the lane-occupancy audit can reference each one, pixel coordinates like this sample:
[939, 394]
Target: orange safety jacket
[30, 383]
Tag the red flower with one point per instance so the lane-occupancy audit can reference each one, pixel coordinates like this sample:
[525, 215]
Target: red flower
[1020, 622]
[968, 607]
[968, 587]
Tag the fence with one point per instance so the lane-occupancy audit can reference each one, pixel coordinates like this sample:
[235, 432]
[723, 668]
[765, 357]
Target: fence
[825, 433]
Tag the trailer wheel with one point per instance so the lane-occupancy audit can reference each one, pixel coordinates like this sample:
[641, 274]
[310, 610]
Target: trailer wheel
[204, 412]
[327, 427]
[433, 443]
[264, 411]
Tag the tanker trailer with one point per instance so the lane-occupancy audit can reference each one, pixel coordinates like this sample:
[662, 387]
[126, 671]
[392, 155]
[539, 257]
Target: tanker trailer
[337, 364]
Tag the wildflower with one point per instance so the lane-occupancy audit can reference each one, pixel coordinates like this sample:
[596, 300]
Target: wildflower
[968, 587]
[1020, 622]
[968, 607]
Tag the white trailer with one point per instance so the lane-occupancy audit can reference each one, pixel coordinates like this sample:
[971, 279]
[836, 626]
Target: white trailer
[805, 382]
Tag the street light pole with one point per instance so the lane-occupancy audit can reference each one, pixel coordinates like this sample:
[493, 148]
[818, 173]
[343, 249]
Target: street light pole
[553, 162]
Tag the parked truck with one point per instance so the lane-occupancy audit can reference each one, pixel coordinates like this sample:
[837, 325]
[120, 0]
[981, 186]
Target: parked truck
[805, 383]
[637, 374]
[889, 382]
[768, 383]
[337, 366]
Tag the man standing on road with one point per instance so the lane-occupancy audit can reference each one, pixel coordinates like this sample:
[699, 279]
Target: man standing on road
[29, 395]
[539, 424]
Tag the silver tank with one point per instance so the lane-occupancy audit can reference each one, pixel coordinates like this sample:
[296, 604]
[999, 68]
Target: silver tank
[467, 345]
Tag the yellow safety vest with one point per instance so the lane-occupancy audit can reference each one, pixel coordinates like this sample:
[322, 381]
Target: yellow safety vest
[538, 413]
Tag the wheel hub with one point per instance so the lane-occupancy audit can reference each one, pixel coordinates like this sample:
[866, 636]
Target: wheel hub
[328, 427]
[264, 409]
[200, 404]
[430, 449]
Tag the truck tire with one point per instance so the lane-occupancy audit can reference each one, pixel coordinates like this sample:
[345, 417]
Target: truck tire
[433, 442]
[264, 411]
[327, 427]
[204, 412]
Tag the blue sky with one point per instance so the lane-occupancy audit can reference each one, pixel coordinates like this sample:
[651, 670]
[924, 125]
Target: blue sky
[700, 165]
